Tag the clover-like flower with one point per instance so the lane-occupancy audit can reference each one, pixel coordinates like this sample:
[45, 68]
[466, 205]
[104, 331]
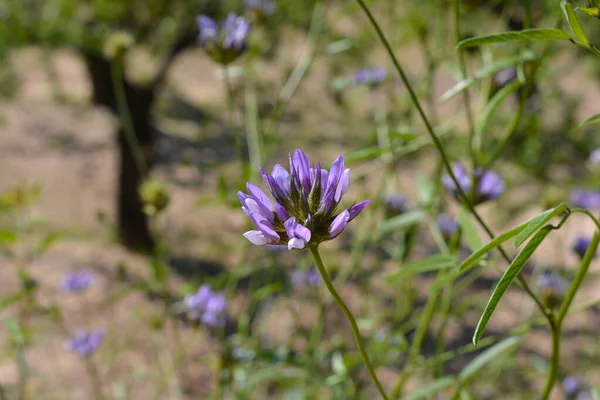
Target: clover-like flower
[370, 76]
[488, 184]
[588, 199]
[77, 281]
[207, 306]
[225, 43]
[304, 208]
[580, 245]
[84, 343]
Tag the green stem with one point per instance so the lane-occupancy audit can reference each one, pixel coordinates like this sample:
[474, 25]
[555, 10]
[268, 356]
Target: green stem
[443, 155]
[325, 275]
[237, 140]
[125, 116]
[251, 115]
[553, 362]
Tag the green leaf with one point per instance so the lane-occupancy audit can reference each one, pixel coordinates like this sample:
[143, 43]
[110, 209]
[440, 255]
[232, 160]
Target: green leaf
[491, 107]
[537, 222]
[594, 119]
[526, 34]
[428, 390]
[574, 23]
[48, 241]
[366, 154]
[487, 356]
[426, 189]
[405, 133]
[267, 291]
[485, 72]
[432, 263]
[402, 221]
[470, 230]
[15, 330]
[509, 276]
[7, 237]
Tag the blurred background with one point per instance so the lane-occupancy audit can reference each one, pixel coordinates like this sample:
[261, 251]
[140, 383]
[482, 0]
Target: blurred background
[120, 143]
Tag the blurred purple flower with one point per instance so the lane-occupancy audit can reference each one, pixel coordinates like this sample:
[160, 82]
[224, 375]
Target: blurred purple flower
[84, 343]
[571, 385]
[370, 76]
[581, 245]
[588, 199]
[264, 7]
[447, 225]
[310, 277]
[552, 289]
[77, 281]
[489, 185]
[595, 156]
[223, 43]
[395, 205]
[505, 76]
[304, 206]
[208, 306]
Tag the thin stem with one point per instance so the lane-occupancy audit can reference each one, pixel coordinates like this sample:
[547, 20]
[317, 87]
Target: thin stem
[237, 140]
[252, 118]
[553, 362]
[462, 69]
[95, 376]
[443, 155]
[325, 275]
[125, 116]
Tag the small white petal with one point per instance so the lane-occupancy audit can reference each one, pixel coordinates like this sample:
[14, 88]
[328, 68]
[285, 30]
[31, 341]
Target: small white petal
[296, 243]
[256, 238]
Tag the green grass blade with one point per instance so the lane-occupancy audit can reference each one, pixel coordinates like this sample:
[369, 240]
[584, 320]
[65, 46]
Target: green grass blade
[526, 34]
[428, 264]
[539, 221]
[594, 119]
[427, 391]
[490, 354]
[402, 221]
[574, 23]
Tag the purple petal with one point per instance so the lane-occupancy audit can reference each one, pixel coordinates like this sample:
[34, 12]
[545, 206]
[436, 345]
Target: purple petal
[357, 208]
[335, 172]
[256, 237]
[339, 223]
[299, 235]
[281, 211]
[282, 177]
[342, 187]
[303, 165]
[327, 202]
[257, 193]
[263, 225]
[209, 30]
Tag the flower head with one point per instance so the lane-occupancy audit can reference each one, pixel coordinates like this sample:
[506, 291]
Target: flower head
[505, 76]
[395, 205]
[304, 208]
[595, 156]
[310, 277]
[588, 199]
[552, 289]
[264, 8]
[207, 306]
[488, 184]
[571, 385]
[74, 282]
[447, 225]
[225, 43]
[581, 245]
[370, 76]
[84, 343]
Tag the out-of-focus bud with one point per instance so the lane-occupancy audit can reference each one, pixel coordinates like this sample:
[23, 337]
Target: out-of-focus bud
[154, 195]
[552, 289]
[117, 44]
[395, 205]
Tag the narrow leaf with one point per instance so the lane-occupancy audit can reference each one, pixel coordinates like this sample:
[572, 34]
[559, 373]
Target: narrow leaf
[538, 222]
[487, 356]
[526, 34]
[574, 23]
[7, 237]
[428, 264]
[366, 154]
[470, 230]
[491, 107]
[430, 389]
[594, 119]
[509, 276]
[402, 221]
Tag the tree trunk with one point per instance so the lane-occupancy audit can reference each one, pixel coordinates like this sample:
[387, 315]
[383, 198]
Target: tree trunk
[132, 224]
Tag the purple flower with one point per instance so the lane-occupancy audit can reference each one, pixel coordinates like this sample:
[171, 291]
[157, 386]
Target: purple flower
[447, 225]
[595, 156]
[310, 277]
[581, 245]
[265, 8]
[207, 306]
[225, 43]
[505, 76]
[370, 76]
[588, 199]
[395, 205]
[84, 343]
[489, 185]
[571, 385]
[304, 204]
[552, 289]
[74, 282]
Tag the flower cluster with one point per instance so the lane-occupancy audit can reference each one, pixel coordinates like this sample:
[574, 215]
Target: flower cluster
[447, 225]
[588, 199]
[264, 8]
[75, 282]
[310, 277]
[552, 289]
[575, 389]
[488, 184]
[225, 43]
[581, 245]
[207, 306]
[370, 76]
[305, 204]
[84, 343]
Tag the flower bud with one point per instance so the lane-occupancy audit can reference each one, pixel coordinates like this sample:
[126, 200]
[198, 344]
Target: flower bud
[154, 195]
[117, 44]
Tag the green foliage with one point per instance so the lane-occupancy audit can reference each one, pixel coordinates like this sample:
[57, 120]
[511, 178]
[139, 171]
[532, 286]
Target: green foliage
[526, 34]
